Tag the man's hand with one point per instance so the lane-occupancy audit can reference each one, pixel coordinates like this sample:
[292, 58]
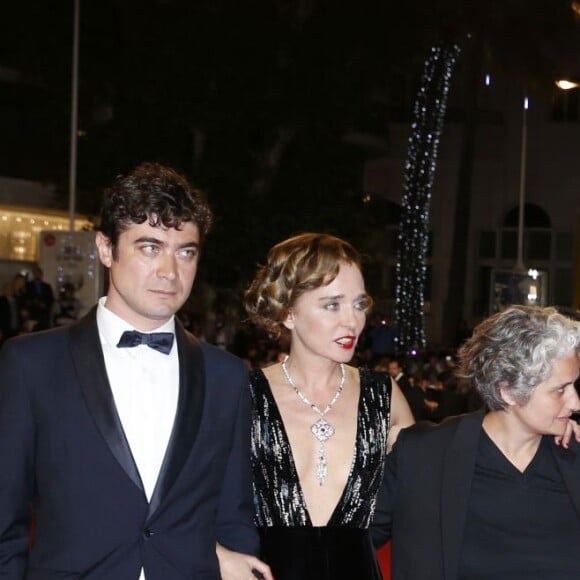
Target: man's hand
[237, 566]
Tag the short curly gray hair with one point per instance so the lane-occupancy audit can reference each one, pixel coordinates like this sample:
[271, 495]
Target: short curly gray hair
[514, 350]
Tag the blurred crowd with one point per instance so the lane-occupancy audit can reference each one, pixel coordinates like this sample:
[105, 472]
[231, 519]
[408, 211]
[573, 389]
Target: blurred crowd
[426, 378]
[28, 303]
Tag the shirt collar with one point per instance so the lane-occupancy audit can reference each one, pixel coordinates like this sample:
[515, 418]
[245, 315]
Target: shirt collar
[111, 326]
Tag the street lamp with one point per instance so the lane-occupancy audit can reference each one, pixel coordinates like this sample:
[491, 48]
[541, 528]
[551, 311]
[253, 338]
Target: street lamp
[74, 117]
[531, 282]
[519, 285]
[566, 84]
[520, 268]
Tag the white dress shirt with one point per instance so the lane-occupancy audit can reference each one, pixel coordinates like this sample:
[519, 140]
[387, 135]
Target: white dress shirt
[145, 385]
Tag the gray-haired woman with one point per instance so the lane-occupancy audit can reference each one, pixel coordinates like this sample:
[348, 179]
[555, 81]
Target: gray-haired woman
[489, 495]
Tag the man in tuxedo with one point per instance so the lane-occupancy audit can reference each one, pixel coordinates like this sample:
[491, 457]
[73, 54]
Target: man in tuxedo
[397, 373]
[415, 395]
[124, 436]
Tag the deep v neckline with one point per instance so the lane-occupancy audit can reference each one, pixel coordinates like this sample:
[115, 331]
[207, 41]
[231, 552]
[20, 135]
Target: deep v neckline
[491, 447]
[292, 463]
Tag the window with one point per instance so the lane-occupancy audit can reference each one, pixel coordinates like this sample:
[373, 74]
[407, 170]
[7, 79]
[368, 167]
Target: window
[564, 246]
[563, 287]
[534, 217]
[539, 246]
[487, 245]
[509, 245]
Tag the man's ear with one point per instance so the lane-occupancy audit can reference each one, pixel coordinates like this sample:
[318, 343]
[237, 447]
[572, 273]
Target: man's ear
[105, 249]
[289, 321]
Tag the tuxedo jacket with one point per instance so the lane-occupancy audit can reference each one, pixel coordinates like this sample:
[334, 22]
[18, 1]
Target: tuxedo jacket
[426, 488]
[403, 382]
[63, 454]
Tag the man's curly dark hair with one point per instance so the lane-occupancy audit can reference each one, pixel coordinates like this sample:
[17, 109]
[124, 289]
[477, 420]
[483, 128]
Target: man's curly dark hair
[156, 193]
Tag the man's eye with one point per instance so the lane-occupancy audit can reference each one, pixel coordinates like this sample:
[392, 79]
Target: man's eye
[149, 249]
[188, 253]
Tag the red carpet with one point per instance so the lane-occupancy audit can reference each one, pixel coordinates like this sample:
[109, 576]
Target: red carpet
[384, 557]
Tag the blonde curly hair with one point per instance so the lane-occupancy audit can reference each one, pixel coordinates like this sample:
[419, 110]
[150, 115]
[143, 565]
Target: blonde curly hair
[295, 266]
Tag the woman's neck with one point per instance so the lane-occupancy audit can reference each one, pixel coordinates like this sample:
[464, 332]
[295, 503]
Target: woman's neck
[309, 374]
[518, 444]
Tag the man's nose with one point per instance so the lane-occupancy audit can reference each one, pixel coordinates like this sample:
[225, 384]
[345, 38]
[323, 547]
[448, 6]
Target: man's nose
[167, 266]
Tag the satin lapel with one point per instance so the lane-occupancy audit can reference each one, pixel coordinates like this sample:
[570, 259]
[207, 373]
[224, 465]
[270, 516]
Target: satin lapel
[458, 468]
[568, 461]
[187, 417]
[89, 362]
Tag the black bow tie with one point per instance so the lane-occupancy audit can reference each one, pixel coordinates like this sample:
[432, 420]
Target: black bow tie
[160, 341]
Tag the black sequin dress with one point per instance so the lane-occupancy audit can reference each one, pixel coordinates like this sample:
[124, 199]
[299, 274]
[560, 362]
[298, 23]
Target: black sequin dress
[290, 544]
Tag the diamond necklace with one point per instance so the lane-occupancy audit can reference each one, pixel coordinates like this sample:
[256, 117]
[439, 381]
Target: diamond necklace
[322, 429]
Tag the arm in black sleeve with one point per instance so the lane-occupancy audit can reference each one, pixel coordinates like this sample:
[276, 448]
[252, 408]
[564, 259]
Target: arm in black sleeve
[381, 526]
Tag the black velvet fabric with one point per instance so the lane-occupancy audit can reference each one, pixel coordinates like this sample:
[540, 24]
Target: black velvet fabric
[319, 553]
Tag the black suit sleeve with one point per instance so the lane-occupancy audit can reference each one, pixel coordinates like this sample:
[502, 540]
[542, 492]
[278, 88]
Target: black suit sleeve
[235, 521]
[381, 526]
[16, 464]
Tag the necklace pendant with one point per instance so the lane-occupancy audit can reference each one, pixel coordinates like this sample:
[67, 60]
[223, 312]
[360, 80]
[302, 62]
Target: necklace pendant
[322, 430]
[321, 464]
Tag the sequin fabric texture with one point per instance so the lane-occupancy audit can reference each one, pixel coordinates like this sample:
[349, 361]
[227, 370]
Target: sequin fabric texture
[278, 497]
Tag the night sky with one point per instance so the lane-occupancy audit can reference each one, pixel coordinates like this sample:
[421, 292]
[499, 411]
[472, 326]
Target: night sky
[256, 101]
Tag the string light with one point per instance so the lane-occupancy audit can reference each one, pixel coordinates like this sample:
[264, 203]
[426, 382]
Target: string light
[19, 231]
[428, 116]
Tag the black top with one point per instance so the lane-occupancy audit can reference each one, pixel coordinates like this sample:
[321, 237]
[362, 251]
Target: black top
[519, 525]
[290, 544]
[278, 497]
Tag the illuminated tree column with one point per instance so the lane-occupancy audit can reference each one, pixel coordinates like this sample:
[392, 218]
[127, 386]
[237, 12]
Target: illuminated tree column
[428, 116]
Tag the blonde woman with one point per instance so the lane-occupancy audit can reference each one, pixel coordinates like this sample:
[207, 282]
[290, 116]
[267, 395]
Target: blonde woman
[321, 428]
